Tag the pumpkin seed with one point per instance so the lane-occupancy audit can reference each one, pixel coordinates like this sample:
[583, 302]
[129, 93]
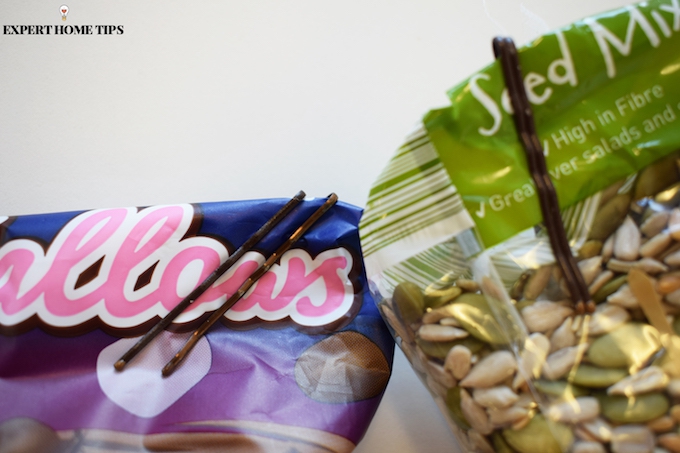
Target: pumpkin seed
[669, 196]
[561, 389]
[540, 436]
[636, 409]
[596, 377]
[590, 249]
[473, 312]
[610, 216]
[439, 349]
[435, 298]
[409, 301]
[453, 399]
[609, 288]
[630, 345]
[657, 177]
[499, 444]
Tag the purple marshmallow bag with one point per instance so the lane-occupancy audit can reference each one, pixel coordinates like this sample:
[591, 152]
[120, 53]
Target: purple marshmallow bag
[299, 364]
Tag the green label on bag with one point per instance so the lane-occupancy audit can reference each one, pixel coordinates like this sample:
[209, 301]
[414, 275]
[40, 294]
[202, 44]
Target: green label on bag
[606, 98]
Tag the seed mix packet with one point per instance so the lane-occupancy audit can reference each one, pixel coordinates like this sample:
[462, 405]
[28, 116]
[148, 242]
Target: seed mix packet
[460, 262]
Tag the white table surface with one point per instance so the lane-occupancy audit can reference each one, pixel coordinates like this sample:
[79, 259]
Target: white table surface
[223, 100]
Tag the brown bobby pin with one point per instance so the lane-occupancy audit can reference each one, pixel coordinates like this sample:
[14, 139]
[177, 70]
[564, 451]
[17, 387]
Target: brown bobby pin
[170, 367]
[506, 52]
[212, 278]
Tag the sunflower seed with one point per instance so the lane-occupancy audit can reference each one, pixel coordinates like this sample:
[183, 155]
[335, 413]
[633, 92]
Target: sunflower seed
[478, 442]
[560, 362]
[602, 279]
[433, 316]
[531, 359]
[632, 438]
[649, 265]
[624, 297]
[437, 332]
[467, 285]
[673, 259]
[495, 397]
[440, 374]
[656, 245]
[537, 282]
[627, 240]
[673, 388]
[608, 249]
[458, 361]
[606, 318]
[543, 316]
[491, 370]
[587, 447]
[662, 424]
[655, 223]
[644, 381]
[508, 415]
[598, 428]
[453, 322]
[474, 413]
[673, 298]
[564, 336]
[574, 410]
[670, 441]
[674, 224]
[667, 283]
[590, 268]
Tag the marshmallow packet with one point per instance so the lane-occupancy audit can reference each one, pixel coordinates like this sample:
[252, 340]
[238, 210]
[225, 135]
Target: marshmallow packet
[299, 363]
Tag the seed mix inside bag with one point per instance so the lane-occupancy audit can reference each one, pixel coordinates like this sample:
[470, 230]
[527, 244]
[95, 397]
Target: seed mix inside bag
[298, 364]
[460, 262]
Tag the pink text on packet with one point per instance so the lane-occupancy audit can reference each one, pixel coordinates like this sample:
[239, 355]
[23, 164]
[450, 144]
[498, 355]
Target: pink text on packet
[126, 266]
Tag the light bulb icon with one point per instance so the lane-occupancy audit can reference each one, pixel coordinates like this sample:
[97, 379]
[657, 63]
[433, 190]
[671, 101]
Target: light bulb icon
[63, 9]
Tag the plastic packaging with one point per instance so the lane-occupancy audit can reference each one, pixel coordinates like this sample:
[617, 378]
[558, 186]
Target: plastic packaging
[300, 363]
[461, 266]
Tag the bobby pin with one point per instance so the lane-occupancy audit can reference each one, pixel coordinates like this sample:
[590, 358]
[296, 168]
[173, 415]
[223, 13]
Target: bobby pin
[170, 367]
[506, 52]
[212, 278]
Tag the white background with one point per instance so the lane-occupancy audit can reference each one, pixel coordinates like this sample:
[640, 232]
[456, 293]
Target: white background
[222, 100]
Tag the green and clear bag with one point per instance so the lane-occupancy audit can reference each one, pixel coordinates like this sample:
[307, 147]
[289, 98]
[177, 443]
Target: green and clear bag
[460, 263]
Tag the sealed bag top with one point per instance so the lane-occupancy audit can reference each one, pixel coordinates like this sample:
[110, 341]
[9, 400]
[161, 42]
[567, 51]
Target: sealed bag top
[604, 91]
